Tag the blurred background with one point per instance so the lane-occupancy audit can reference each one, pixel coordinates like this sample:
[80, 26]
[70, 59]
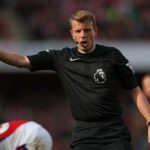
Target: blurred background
[30, 26]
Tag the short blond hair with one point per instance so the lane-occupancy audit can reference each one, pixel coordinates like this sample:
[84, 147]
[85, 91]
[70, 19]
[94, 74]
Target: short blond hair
[82, 16]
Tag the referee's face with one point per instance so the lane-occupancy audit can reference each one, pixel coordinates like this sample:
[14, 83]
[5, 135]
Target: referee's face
[84, 35]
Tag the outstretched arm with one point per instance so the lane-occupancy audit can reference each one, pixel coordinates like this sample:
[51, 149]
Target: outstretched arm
[142, 104]
[15, 59]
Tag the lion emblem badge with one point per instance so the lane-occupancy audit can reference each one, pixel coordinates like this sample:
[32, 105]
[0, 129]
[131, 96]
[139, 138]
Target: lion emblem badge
[100, 76]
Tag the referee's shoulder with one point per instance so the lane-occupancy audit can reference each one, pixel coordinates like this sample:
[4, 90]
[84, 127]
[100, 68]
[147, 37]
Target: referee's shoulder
[68, 49]
[107, 49]
[59, 52]
[110, 48]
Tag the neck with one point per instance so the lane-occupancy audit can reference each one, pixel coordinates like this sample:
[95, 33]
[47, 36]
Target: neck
[91, 50]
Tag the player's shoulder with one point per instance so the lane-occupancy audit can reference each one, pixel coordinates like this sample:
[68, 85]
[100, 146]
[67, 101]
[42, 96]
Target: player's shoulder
[8, 128]
[33, 124]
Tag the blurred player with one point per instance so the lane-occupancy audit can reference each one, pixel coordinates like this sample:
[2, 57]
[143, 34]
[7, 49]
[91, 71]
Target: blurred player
[24, 135]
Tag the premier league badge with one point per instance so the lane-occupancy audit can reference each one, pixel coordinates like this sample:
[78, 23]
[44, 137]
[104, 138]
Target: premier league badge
[100, 76]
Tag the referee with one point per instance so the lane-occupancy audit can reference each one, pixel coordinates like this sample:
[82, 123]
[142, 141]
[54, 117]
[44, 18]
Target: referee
[91, 75]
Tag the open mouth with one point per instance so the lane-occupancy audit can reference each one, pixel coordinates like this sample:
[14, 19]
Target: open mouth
[84, 42]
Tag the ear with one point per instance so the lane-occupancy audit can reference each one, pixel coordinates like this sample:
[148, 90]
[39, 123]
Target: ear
[71, 31]
[96, 31]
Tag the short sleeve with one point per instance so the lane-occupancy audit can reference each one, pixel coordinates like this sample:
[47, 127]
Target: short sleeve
[124, 71]
[44, 60]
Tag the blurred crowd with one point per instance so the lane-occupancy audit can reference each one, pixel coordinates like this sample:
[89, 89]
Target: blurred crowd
[48, 19]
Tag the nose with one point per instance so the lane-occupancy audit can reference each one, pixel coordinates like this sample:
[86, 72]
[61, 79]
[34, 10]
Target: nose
[83, 33]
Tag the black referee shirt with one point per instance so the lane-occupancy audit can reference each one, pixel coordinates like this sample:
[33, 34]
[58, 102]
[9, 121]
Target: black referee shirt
[91, 80]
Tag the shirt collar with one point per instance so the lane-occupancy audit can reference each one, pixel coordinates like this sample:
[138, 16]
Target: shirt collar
[88, 51]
